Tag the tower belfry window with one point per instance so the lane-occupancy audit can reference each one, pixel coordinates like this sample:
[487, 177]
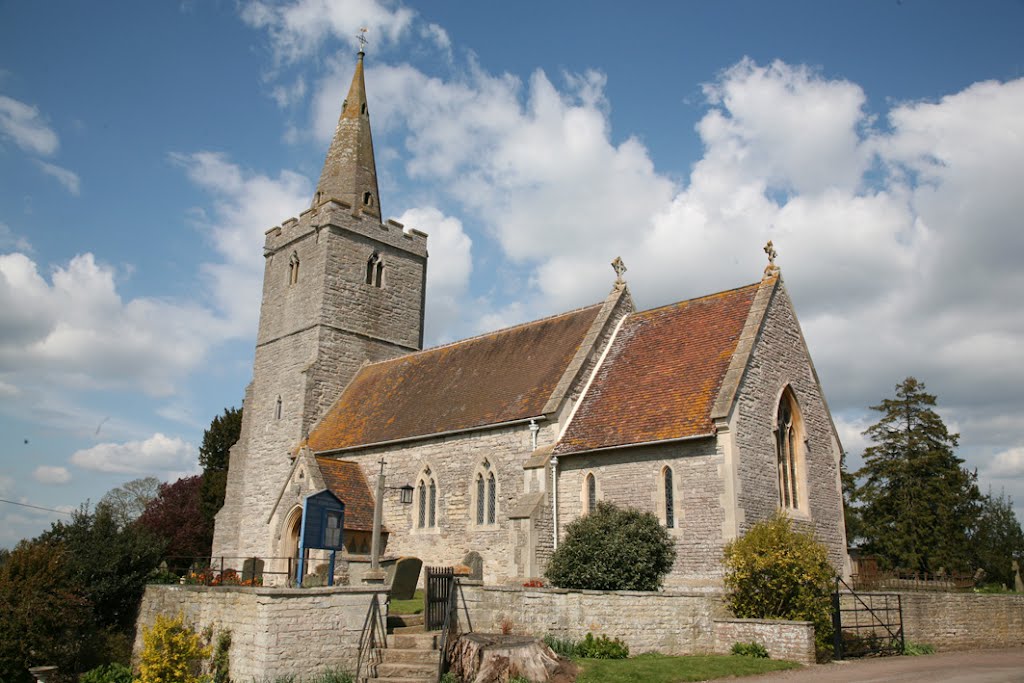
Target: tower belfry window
[293, 269]
[277, 408]
[375, 270]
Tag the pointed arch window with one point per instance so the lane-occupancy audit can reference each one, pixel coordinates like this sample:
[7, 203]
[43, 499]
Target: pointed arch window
[480, 499]
[432, 509]
[423, 505]
[670, 511]
[789, 453]
[492, 499]
[426, 504]
[375, 270]
[293, 269]
[590, 488]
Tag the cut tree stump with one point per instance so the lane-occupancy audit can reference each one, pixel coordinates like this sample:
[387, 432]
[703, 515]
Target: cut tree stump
[495, 658]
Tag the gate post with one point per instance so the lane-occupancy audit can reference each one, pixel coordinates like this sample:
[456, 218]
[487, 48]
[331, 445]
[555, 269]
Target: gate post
[837, 625]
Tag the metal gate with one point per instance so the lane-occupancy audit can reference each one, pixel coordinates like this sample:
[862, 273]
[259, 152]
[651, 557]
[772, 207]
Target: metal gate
[440, 582]
[866, 623]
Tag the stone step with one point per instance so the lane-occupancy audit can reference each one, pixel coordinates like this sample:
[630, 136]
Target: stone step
[406, 629]
[400, 620]
[392, 670]
[409, 655]
[414, 641]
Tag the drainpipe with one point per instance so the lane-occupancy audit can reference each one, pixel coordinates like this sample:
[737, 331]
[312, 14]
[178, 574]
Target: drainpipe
[554, 500]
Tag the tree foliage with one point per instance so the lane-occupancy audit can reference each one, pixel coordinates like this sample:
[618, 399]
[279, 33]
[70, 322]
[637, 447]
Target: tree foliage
[998, 539]
[174, 516]
[127, 501]
[774, 571]
[172, 652]
[917, 503]
[613, 549]
[222, 434]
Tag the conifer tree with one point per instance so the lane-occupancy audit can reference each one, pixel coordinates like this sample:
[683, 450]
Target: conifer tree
[213, 458]
[918, 504]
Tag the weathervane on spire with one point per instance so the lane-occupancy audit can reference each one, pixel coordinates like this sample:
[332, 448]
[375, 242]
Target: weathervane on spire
[619, 267]
[361, 37]
[771, 268]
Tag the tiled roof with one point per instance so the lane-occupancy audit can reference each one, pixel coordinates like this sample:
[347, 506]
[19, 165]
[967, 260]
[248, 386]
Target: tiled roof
[662, 374]
[499, 377]
[345, 479]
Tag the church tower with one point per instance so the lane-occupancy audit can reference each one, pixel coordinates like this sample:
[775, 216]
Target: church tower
[340, 288]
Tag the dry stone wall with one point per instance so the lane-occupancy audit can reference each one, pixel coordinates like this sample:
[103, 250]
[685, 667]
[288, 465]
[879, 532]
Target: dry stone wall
[964, 621]
[790, 640]
[275, 632]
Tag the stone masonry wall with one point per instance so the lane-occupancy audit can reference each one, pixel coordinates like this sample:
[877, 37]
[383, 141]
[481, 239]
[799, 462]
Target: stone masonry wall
[790, 640]
[670, 623]
[633, 478]
[779, 359]
[275, 632]
[963, 621]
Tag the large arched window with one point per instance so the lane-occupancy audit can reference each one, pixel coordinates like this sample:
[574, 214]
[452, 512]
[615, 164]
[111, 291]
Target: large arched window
[789, 453]
[484, 494]
[375, 270]
[668, 493]
[589, 494]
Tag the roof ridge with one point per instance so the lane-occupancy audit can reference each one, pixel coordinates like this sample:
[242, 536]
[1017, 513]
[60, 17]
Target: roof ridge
[486, 334]
[697, 298]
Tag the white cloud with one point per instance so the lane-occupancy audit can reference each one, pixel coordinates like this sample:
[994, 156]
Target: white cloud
[48, 474]
[157, 454]
[299, 28]
[8, 240]
[448, 272]
[1007, 465]
[6, 485]
[76, 330]
[69, 179]
[23, 125]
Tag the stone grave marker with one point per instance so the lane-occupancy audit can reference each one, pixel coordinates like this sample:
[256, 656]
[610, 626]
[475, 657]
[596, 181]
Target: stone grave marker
[405, 577]
[475, 564]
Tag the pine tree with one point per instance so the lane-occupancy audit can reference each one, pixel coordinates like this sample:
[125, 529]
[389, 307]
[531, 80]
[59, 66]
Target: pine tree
[918, 504]
[998, 539]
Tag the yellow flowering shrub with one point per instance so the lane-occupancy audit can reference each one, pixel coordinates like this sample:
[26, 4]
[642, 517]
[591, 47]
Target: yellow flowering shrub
[172, 652]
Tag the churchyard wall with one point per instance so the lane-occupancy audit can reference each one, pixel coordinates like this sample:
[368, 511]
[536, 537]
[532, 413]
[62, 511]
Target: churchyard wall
[274, 631]
[790, 640]
[963, 621]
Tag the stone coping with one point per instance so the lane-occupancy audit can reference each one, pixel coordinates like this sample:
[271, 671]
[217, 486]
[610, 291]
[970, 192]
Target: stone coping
[581, 591]
[272, 591]
[763, 621]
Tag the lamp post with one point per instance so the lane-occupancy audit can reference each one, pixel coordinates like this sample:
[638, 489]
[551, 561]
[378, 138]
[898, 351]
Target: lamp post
[376, 575]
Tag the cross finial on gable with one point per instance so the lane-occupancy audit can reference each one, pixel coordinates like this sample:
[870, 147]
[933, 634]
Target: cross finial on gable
[361, 37]
[619, 267]
[771, 268]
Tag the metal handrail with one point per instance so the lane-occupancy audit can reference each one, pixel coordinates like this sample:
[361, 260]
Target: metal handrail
[369, 648]
[451, 624]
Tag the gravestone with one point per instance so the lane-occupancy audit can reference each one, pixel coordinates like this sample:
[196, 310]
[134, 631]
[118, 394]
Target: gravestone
[405, 576]
[1018, 583]
[475, 564]
[252, 569]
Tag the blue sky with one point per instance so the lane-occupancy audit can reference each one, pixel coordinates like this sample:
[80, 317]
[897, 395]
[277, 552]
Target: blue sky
[146, 147]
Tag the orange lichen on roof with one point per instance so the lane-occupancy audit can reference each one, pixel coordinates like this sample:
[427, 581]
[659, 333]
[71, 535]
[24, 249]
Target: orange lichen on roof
[494, 378]
[662, 374]
[346, 480]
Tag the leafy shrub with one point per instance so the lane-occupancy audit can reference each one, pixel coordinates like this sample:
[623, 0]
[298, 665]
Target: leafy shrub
[109, 673]
[566, 647]
[519, 679]
[751, 649]
[613, 549]
[915, 649]
[601, 648]
[171, 651]
[449, 677]
[221, 658]
[776, 572]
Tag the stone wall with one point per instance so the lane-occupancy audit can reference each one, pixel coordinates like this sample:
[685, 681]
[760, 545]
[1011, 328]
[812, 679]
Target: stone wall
[780, 359]
[274, 631]
[963, 621]
[790, 640]
[668, 622]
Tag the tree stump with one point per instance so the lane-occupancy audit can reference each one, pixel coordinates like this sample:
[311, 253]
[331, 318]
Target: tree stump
[495, 658]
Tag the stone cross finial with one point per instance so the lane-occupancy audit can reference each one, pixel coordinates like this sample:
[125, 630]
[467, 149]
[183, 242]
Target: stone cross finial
[771, 268]
[361, 37]
[619, 267]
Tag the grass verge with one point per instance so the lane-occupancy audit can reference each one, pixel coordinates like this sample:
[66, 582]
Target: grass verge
[413, 606]
[655, 668]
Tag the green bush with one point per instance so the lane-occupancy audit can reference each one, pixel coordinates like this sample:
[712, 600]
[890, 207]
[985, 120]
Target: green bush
[601, 648]
[613, 549]
[221, 658]
[751, 649]
[776, 572]
[109, 673]
[449, 677]
[566, 647]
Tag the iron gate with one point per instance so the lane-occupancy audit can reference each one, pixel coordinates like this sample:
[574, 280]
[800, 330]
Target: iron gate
[866, 623]
[440, 582]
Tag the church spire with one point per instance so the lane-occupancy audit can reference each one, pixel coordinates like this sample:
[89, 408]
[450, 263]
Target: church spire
[350, 173]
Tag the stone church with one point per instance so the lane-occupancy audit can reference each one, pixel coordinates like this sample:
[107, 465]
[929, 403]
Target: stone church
[707, 412]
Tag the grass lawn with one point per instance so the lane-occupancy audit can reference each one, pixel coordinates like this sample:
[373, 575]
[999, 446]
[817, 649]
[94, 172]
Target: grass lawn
[414, 606]
[654, 668]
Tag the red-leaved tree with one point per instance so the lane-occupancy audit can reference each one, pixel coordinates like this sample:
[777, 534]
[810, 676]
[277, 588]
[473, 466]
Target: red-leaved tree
[175, 516]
